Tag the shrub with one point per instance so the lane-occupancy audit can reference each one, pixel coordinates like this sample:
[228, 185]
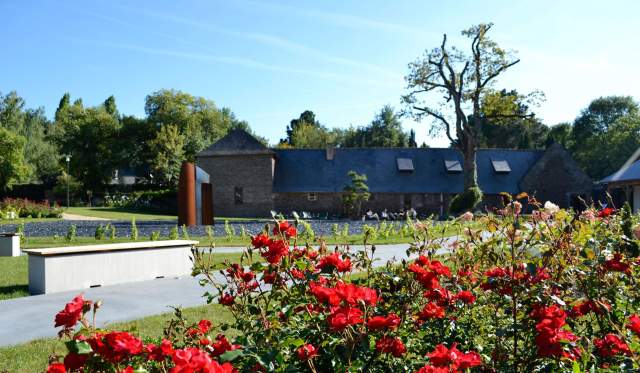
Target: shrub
[465, 201]
[25, 208]
[185, 232]
[173, 233]
[553, 291]
[100, 232]
[134, 230]
[72, 232]
[155, 236]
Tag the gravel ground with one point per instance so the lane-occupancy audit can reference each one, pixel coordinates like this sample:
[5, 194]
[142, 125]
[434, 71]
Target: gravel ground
[87, 228]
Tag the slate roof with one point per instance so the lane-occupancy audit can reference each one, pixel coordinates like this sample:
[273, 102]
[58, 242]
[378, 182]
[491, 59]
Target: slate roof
[632, 173]
[236, 142]
[308, 170]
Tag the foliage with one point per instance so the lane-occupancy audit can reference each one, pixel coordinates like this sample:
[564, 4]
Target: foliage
[384, 131]
[355, 193]
[173, 233]
[72, 233]
[100, 233]
[185, 232]
[25, 208]
[65, 180]
[155, 236]
[13, 168]
[168, 150]
[141, 199]
[134, 230]
[465, 201]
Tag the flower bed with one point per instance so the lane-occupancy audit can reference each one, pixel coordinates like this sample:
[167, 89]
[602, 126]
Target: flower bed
[554, 291]
[24, 208]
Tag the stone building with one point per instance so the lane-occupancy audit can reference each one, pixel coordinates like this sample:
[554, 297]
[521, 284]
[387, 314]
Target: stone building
[250, 180]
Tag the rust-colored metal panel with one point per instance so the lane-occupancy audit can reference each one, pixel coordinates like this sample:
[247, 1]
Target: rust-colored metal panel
[187, 195]
[206, 190]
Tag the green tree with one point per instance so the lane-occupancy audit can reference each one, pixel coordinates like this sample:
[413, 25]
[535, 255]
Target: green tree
[168, 153]
[354, 193]
[462, 80]
[198, 120]
[13, 168]
[384, 131]
[561, 134]
[604, 134]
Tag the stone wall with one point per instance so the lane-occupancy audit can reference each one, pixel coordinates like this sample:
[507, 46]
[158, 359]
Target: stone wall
[253, 173]
[556, 177]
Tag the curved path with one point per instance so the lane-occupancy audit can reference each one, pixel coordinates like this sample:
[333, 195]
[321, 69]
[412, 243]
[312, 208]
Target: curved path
[28, 318]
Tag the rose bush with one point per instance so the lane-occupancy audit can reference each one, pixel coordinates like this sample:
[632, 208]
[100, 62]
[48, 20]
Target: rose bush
[549, 291]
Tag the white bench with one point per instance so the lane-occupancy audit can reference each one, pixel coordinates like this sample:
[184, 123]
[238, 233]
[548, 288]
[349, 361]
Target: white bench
[59, 269]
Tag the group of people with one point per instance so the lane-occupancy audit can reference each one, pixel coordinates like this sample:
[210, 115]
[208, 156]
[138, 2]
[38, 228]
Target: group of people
[386, 215]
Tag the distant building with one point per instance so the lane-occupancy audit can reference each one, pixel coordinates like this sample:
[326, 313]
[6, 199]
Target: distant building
[625, 183]
[250, 180]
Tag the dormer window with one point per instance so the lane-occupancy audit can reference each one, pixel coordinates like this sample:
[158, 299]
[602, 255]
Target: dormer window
[405, 164]
[500, 166]
[452, 166]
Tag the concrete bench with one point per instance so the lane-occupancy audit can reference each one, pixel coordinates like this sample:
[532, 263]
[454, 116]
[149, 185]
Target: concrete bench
[9, 244]
[59, 269]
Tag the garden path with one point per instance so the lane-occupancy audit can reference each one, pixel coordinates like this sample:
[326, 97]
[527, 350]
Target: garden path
[28, 318]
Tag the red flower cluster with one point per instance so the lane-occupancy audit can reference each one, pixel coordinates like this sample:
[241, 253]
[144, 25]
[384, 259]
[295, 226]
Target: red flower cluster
[617, 265]
[329, 262]
[551, 334]
[443, 359]
[428, 272]
[391, 345]
[341, 317]
[611, 345]
[190, 360]
[56, 368]
[431, 311]
[226, 299]
[71, 314]
[503, 279]
[634, 324]
[348, 293]
[275, 249]
[587, 306]
[115, 346]
[389, 322]
[606, 212]
[285, 228]
[306, 352]
[159, 353]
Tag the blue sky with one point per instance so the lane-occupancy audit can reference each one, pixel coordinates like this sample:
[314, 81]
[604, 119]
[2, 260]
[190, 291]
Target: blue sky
[270, 60]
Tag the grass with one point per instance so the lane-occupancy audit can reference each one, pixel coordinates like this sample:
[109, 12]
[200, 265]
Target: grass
[27, 220]
[33, 356]
[114, 213]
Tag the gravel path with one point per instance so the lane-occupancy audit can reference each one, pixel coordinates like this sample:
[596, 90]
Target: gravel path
[28, 318]
[67, 216]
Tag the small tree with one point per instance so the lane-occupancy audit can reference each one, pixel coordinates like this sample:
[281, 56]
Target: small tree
[355, 193]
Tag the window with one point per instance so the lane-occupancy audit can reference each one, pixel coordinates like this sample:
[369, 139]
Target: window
[452, 166]
[500, 166]
[238, 195]
[312, 197]
[404, 164]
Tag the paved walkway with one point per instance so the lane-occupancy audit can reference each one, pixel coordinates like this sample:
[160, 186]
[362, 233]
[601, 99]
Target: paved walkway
[67, 216]
[28, 318]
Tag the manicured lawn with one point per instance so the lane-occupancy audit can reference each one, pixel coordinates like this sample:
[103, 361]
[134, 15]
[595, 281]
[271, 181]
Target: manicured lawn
[27, 220]
[33, 356]
[118, 214]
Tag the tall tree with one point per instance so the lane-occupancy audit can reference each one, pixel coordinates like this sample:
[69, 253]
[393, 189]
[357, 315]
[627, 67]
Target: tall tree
[307, 119]
[385, 130]
[168, 152]
[13, 168]
[463, 80]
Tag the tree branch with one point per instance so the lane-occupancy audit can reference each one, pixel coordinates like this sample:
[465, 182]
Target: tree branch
[497, 72]
[447, 125]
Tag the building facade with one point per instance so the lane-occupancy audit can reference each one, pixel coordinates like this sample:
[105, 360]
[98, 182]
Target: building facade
[625, 184]
[251, 180]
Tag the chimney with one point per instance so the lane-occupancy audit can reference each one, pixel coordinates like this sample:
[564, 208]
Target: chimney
[331, 152]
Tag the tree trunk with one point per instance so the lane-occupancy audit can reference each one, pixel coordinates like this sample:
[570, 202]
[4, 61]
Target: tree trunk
[469, 169]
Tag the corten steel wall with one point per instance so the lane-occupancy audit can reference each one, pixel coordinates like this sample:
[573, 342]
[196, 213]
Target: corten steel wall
[187, 195]
[252, 173]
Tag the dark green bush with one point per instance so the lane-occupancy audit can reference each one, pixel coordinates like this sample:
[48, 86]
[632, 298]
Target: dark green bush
[465, 201]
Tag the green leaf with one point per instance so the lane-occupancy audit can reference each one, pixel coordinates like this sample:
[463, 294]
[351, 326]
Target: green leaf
[78, 347]
[140, 370]
[231, 355]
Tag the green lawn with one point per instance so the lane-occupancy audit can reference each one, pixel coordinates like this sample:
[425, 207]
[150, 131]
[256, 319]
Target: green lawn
[33, 356]
[118, 213]
[26, 220]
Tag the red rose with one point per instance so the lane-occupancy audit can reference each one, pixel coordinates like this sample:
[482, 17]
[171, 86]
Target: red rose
[56, 368]
[606, 212]
[431, 311]
[341, 317]
[74, 361]
[297, 274]
[72, 312]
[159, 353]
[276, 250]
[191, 360]
[634, 324]
[226, 299]
[285, 228]
[453, 358]
[128, 369]
[616, 264]
[306, 352]
[204, 326]
[260, 240]
[391, 321]
[466, 297]
[611, 345]
[391, 345]
[329, 262]
[222, 345]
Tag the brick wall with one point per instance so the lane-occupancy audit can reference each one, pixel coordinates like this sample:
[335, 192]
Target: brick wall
[252, 173]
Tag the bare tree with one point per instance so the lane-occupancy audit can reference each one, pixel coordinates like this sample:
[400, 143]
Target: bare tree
[448, 85]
